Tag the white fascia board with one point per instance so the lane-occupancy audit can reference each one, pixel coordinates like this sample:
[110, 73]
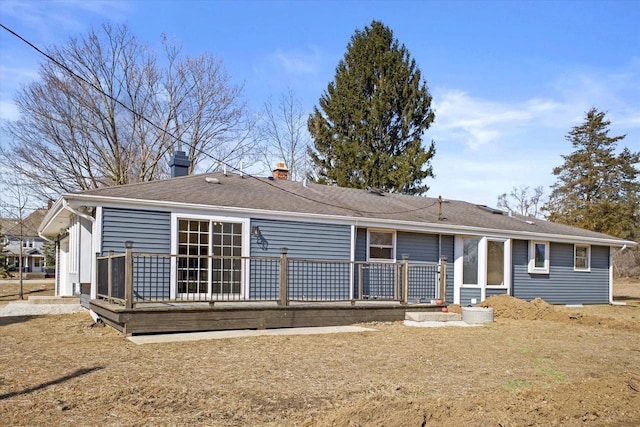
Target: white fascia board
[56, 209]
[424, 227]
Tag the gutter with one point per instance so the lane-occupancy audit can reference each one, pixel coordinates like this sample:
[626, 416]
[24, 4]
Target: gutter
[61, 204]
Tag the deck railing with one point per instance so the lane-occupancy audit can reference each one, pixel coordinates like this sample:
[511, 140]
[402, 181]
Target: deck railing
[133, 278]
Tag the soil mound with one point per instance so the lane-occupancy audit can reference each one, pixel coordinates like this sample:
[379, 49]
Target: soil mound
[508, 307]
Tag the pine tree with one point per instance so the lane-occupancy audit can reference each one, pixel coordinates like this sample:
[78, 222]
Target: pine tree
[597, 189]
[49, 253]
[369, 132]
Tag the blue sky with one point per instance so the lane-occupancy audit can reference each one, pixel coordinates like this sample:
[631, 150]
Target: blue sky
[509, 79]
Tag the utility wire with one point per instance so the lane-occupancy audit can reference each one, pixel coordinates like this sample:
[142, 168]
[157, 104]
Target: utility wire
[145, 119]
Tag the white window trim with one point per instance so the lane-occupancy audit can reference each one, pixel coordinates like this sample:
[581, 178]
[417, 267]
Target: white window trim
[506, 278]
[482, 258]
[393, 243]
[246, 245]
[588, 269]
[532, 269]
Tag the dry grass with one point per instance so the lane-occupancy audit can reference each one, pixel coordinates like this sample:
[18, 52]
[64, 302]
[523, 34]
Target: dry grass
[10, 289]
[585, 370]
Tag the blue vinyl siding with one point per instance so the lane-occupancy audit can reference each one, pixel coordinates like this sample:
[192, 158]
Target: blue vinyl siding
[467, 293]
[304, 241]
[446, 249]
[421, 248]
[361, 244]
[490, 292]
[151, 233]
[562, 285]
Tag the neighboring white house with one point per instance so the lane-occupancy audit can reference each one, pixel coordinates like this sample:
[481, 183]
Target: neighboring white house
[23, 238]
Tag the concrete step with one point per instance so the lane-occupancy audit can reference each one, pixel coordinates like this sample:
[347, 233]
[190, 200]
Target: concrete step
[38, 299]
[431, 316]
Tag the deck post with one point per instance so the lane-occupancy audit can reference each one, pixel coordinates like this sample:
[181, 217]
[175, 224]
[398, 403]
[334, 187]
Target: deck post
[128, 274]
[443, 279]
[360, 287]
[284, 278]
[405, 279]
[109, 275]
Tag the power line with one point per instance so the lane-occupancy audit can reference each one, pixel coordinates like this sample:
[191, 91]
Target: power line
[200, 151]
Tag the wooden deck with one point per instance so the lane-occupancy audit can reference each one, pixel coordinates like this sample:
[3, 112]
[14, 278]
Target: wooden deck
[192, 317]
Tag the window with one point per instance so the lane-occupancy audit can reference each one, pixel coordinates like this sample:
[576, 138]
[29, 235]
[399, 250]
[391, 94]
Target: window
[538, 257]
[381, 245]
[470, 261]
[582, 258]
[227, 272]
[193, 263]
[209, 259]
[495, 263]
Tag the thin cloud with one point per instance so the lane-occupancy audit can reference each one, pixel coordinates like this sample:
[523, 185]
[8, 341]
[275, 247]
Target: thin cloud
[297, 63]
[8, 111]
[477, 122]
[44, 17]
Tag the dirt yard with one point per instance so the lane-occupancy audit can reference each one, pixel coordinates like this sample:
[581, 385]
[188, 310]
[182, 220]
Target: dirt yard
[536, 365]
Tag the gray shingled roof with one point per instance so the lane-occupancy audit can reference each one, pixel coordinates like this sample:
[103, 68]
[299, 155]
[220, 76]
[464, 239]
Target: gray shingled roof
[11, 227]
[234, 191]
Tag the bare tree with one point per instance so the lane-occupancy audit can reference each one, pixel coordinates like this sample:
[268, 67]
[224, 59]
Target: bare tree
[205, 110]
[519, 201]
[283, 135]
[115, 120]
[15, 209]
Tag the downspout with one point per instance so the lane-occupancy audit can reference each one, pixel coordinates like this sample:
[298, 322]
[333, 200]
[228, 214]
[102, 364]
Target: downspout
[66, 206]
[89, 218]
[45, 238]
[611, 255]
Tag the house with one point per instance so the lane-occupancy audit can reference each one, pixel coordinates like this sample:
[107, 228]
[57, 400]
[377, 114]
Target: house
[220, 236]
[22, 237]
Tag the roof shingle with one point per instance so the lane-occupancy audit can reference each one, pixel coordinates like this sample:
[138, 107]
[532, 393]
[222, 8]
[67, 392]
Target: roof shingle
[248, 192]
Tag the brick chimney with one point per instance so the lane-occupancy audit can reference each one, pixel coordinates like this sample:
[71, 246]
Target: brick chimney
[281, 172]
[179, 164]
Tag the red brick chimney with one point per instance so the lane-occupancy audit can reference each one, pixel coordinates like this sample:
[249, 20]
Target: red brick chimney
[281, 172]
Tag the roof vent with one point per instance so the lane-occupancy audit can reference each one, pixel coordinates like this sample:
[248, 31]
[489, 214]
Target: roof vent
[212, 180]
[377, 191]
[492, 210]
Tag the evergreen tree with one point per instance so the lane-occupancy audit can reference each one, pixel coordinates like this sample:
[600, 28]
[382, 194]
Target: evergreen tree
[369, 132]
[597, 189]
[49, 253]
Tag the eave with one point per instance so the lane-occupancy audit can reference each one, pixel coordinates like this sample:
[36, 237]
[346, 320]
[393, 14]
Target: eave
[58, 216]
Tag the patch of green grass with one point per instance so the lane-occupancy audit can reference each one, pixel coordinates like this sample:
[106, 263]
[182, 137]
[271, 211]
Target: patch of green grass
[515, 385]
[548, 371]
